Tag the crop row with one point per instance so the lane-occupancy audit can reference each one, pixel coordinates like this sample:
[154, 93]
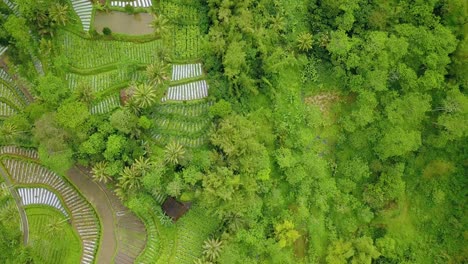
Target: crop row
[192, 230]
[11, 95]
[86, 53]
[185, 42]
[183, 127]
[102, 81]
[106, 105]
[180, 14]
[183, 110]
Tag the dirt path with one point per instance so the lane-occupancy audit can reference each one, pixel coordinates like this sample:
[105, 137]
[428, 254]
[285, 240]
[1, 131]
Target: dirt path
[123, 234]
[22, 213]
[93, 193]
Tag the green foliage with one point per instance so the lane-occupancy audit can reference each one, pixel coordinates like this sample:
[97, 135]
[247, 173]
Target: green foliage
[221, 109]
[285, 233]
[72, 115]
[124, 121]
[52, 90]
[106, 31]
[114, 147]
[45, 224]
[304, 41]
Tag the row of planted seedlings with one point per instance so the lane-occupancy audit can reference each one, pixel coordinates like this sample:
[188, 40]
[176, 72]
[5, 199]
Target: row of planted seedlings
[192, 230]
[88, 53]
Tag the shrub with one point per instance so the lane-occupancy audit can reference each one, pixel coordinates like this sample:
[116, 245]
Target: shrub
[129, 9]
[106, 31]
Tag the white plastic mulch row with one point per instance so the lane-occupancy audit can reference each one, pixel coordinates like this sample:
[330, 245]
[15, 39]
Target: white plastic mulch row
[84, 10]
[98, 82]
[13, 150]
[11, 96]
[106, 105]
[2, 49]
[81, 212]
[182, 71]
[41, 196]
[4, 75]
[188, 91]
[12, 6]
[136, 3]
[6, 110]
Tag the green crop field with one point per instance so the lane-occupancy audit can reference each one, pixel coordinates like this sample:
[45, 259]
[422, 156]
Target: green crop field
[179, 243]
[54, 239]
[85, 53]
[186, 123]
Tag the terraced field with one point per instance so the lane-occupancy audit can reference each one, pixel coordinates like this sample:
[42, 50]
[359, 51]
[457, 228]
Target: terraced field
[84, 10]
[184, 123]
[106, 105]
[12, 100]
[102, 81]
[29, 173]
[86, 53]
[45, 225]
[180, 243]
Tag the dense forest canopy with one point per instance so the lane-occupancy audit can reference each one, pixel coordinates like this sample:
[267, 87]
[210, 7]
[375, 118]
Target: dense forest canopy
[336, 133]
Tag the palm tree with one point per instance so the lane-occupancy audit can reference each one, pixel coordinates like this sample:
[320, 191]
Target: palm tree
[163, 54]
[56, 226]
[9, 131]
[85, 93]
[8, 213]
[44, 24]
[99, 172]
[164, 219]
[46, 47]
[277, 23]
[304, 41]
[174, 153]
[160, 25]
[212, 248]
[129, 179]
[120, 193]
[145, 95]
[157, 72]
[59, 14]
[142, 165]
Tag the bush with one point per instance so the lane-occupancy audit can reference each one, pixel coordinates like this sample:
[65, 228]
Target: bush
[129, 9]
[106, 31]
[221, 109]
[93, 33]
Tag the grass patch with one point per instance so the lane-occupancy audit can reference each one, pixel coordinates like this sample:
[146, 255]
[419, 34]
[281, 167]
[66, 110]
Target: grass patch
[58, 244]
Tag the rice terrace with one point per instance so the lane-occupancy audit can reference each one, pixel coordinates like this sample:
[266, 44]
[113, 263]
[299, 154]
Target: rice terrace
[233, 132]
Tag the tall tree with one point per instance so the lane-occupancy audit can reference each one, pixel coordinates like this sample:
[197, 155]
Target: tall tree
[174, 153]
[59, 14]
[99, 172]
[160, 25]
[157, 72]
[212, 247]
[145, 95]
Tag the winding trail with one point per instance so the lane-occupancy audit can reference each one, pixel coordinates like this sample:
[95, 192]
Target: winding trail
[123, 234]
[22, 213]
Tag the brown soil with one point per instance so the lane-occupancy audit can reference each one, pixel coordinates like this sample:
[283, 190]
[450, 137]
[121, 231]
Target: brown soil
[120, 22]
[123, 234]
[324, 101]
